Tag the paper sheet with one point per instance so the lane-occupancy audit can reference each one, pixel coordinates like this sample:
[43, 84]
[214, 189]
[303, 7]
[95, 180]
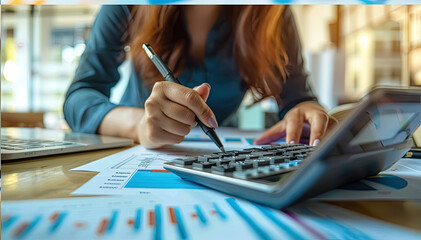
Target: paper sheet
[193, 217]
[139, 171]
[196, 143]
[139, 182]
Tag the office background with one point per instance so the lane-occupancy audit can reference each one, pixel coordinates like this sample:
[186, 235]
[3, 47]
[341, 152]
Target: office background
[348, 49]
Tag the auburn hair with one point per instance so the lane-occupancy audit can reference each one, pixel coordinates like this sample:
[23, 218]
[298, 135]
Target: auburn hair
[258, 46]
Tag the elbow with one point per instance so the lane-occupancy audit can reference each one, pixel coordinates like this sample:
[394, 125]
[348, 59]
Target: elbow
[69, 113]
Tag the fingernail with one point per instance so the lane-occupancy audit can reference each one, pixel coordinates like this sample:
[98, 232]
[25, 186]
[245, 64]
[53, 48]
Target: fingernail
[207, 84]
[292, 142]
[316, 142]
[213, 122]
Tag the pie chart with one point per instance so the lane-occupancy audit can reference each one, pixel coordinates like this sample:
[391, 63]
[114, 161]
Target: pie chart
[390, 181]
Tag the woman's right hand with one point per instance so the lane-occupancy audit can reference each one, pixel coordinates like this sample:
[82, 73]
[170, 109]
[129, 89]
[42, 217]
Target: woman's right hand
[170, 113]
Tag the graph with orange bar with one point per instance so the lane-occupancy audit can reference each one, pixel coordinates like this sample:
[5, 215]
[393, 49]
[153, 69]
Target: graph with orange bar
[133, 217]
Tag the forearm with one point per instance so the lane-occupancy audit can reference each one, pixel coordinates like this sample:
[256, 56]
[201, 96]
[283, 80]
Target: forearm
[122, 122]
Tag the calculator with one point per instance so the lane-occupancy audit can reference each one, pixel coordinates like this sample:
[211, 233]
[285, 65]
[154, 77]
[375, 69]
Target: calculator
[375, 135]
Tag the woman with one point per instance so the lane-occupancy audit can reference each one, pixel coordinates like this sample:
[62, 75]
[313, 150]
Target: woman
[229, 48]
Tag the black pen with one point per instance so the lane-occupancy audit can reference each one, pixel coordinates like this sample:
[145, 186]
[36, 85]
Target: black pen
[168, 76]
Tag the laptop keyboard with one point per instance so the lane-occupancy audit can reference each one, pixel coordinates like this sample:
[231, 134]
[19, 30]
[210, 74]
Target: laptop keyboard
[23, 144]
[251, 163]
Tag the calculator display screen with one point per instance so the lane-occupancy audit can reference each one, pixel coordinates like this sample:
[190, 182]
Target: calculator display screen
[384, 124]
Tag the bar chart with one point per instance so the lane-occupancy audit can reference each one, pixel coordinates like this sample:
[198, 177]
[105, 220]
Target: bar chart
[102, 220]
[223, 218]
[159, 179]
[155, 221]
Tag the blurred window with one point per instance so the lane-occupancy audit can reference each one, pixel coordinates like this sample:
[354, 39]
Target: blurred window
[42, 48]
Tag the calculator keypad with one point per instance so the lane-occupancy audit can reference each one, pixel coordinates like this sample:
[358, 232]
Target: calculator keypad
[251, 163]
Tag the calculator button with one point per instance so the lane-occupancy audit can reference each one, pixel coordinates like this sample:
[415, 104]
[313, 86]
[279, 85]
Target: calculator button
[252, 149]
[243, 152]
[235, 158]
[221, 154]
[220, 161]
[239, 166]
[293, 163]
[250, 156]
[269, 148]
[232, 153]
[203, 165]
[246, 174]
[223, 169]
[264, 170]
[277, 159]
[260, 162]
[206, 158]
[241, 175]
[185, 161]
[279, 151]
[264, 154]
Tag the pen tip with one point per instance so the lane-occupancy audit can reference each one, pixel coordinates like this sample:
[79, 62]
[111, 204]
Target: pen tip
[223, 149]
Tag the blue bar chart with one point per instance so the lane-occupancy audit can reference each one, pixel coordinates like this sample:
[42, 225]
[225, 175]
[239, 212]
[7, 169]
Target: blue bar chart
[159, 179]
[127, 220]
[224, 218]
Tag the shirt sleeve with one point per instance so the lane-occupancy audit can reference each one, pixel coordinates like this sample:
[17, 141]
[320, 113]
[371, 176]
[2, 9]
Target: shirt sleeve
[296, 88]
[87, 99]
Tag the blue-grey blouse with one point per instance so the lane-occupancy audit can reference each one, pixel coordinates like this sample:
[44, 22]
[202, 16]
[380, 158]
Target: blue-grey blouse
[88, 97]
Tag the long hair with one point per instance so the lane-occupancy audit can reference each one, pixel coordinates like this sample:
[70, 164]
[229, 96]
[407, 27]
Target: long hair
[258, 46]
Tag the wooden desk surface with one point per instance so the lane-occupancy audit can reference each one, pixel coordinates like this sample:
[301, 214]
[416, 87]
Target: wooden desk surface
[49, 177]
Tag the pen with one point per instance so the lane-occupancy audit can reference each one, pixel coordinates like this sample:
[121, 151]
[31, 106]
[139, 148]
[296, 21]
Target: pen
[168, 76]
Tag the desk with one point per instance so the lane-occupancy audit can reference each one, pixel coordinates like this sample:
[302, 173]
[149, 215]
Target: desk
[50, 177]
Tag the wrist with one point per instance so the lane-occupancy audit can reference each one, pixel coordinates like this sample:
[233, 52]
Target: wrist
[312, 104]
[136, 116]
[122, 122]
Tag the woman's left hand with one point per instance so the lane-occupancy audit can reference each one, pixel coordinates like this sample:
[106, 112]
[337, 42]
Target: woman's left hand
[292, 125]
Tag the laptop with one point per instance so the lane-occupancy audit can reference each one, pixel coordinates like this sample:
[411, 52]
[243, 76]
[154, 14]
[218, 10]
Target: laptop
[18, 143]
[375, 135]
